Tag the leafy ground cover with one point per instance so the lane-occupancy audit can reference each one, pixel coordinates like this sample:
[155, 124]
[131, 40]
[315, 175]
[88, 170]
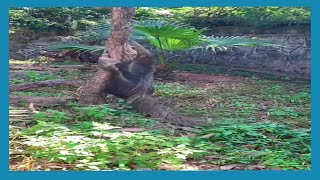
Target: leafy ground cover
[258, 122]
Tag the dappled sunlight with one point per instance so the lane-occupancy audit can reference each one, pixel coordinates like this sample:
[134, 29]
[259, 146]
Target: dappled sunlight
[250, 105]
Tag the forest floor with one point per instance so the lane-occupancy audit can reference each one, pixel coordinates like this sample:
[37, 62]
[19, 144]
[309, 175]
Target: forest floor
[258, 122]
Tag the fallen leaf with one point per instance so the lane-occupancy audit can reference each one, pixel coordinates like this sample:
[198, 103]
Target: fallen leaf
[55, 167]
[132, 129]
[255, 167]
[135, 167]
[191, 135]
[230, 166]
[207, 136]
[211, 157]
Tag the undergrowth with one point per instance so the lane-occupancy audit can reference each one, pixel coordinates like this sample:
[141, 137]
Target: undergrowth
[264, 122]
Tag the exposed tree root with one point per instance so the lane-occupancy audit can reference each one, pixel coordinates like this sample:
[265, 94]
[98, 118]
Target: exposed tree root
[80, 67]
[152, 107]
[39, 101]
[23, 74]
[54, 68]
[48, 83]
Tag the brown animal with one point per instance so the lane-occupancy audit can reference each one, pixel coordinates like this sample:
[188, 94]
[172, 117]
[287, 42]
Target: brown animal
[133, 82]
[129, 78]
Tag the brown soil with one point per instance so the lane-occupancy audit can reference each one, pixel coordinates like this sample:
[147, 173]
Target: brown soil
[209, 80]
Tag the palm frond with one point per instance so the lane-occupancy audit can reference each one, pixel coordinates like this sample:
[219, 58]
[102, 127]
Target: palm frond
[167, 29]
[223, 42]
[168, 36]
[73, 46]
[96, 33]
[100, 32]
[170, 44]
[163, 35]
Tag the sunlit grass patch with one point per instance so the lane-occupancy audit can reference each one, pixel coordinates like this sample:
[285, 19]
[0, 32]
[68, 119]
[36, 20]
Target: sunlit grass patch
[20, 62]
[269, 144]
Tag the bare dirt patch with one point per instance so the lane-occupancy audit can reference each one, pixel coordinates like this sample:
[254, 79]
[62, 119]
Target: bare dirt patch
[209, 80]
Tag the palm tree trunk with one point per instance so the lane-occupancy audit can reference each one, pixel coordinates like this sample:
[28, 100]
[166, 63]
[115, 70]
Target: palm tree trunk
[118, 50]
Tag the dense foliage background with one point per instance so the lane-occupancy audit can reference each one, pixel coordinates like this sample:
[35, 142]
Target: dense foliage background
[260, 121]
[67, 20]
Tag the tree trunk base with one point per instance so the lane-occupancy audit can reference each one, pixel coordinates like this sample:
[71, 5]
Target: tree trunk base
[93, 91]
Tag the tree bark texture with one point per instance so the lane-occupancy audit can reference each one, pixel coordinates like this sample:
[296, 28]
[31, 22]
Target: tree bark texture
[118, 50]
[118, 45]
